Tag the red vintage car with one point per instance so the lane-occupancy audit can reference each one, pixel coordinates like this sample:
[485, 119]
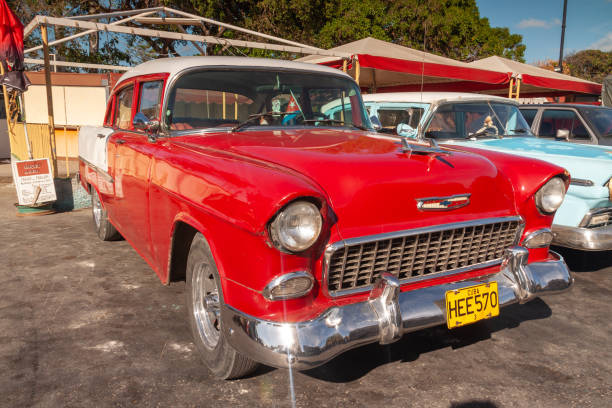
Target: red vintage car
[302, 233]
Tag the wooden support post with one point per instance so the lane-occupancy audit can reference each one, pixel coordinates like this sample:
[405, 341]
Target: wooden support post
[6, 102]
[223, 105]
[518, 87]
[344, 65]
[45, 41]
[357, 71]
[236, 106]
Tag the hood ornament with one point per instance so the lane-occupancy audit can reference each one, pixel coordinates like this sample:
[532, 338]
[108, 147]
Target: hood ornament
[429, 147]
[443, 203]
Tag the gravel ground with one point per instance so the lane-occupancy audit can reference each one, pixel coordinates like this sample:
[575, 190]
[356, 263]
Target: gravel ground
[87, 323]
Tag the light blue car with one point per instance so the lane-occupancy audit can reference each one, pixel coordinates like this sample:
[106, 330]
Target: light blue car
[584, 220]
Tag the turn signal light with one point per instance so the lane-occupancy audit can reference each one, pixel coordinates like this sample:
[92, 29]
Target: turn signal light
[538, 239]
[289, 286]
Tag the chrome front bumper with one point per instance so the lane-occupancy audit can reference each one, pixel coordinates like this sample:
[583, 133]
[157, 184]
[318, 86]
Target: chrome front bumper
[587, 239]
[385, 317]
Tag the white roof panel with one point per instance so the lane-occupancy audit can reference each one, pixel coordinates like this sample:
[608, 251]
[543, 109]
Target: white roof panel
[175, 65]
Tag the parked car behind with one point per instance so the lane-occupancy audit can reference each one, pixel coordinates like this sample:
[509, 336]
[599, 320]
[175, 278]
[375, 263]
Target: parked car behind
[299, 235]
[578, 123]
[584, 220]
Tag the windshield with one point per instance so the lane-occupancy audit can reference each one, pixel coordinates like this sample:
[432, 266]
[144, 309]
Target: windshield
[601, 119]
[232, 99]
[476, 120]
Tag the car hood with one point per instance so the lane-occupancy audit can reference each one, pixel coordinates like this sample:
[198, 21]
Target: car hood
[582, 161]
[372, 186]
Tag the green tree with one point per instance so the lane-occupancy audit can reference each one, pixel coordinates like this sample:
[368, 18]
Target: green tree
[452, 28]
[592, 65]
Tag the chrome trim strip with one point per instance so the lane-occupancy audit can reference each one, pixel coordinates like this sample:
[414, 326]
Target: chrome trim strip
[267, 292]
[384, 317]
[331, 248]
[586, 239]
[581, 182]
[98, 170]
[534, 234]
[595, 211]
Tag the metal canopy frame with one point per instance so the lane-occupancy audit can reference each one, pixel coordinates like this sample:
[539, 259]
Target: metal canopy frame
[91, 24]
[160, 15]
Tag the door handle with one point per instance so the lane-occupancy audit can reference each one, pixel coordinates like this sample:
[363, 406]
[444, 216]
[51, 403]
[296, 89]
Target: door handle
[120, 141]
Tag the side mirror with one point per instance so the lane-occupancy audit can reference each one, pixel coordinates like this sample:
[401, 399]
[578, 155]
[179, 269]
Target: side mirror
[141, 122]
[562, 134]
[375, 122]
[406, 130]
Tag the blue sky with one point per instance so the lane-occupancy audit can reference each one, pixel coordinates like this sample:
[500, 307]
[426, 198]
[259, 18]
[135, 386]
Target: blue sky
[588, 24]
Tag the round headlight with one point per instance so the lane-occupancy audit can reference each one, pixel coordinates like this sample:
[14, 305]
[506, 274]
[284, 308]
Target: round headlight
[550, 196]
[297, 227]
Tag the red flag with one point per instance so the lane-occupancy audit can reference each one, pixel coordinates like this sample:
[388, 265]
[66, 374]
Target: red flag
[11, 49]
[292, 106]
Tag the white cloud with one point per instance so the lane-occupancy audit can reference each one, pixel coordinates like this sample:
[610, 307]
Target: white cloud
[536, 23]
[604, 43]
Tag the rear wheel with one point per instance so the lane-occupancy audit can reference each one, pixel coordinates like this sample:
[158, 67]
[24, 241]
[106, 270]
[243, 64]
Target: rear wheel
[105, 230]
[204, 299]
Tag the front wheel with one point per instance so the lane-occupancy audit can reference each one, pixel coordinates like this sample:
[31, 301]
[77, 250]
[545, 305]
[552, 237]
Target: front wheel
[204, 299]
[105, 230]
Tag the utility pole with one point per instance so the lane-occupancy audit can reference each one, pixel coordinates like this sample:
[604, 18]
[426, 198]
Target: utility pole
[559, 68]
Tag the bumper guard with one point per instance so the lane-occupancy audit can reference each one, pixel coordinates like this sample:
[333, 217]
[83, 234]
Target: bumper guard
[385, 316]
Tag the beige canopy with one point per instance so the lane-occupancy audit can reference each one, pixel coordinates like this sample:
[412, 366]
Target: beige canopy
[537, 81]
[383, 66]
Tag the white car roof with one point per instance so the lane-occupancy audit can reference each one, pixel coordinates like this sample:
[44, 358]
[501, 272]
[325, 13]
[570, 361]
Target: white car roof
[173, 66]
[431, 97]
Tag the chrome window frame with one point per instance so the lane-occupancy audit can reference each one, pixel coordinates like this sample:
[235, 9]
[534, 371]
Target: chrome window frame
[171, 82]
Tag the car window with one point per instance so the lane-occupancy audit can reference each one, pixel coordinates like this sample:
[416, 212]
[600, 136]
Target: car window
[150, 98]
[390, 117]
[123, 108]
[555, 119]
[109, 112]
[476, 120]
[213, 98]
[193, 108]
[529, 115]
[319, 101]
[600, 119]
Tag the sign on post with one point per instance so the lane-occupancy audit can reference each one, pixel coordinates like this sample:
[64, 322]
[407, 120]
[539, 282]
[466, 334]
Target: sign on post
[33, 181]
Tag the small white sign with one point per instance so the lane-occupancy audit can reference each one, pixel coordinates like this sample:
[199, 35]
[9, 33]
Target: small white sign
[34, 181]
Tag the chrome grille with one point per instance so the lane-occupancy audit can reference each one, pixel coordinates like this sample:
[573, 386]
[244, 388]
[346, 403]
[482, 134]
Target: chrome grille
[355, 264]
[597, 218]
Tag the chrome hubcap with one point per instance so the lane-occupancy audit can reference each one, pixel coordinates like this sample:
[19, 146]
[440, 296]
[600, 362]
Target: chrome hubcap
[206, 305]
[97, 208]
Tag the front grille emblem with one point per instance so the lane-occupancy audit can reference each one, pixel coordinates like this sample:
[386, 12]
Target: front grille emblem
[443, 203]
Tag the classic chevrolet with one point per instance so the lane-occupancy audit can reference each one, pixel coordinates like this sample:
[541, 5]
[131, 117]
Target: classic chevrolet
[300, 235]
[465, 121]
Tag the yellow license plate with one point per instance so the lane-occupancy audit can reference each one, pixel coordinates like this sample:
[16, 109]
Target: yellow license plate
[471, 304]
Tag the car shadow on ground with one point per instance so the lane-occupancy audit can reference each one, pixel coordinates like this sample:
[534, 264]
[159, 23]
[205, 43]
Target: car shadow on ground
[585, 261]
[474, 404]
[356, 363]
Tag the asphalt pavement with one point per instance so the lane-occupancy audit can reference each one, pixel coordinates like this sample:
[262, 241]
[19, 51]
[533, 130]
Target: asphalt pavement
[87, 323]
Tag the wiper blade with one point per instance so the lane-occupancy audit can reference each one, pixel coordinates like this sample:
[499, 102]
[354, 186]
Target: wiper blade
[341, 122]
[250, 119]
[521, 130]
